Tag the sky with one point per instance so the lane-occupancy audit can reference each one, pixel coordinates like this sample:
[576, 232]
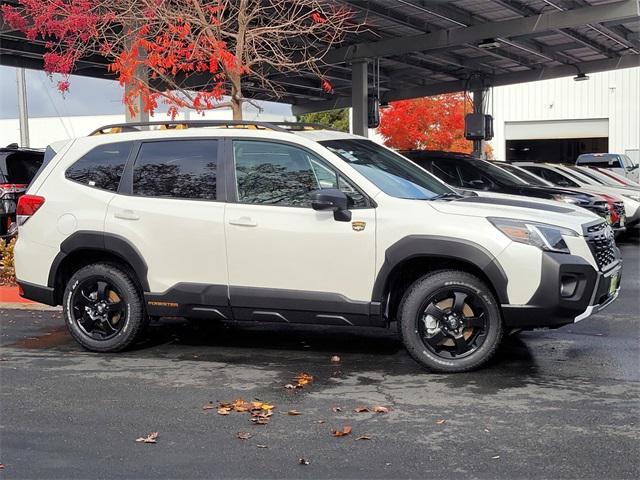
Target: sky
[86, 96]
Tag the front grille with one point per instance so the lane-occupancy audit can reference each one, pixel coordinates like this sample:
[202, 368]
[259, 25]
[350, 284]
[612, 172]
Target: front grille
[602, 244]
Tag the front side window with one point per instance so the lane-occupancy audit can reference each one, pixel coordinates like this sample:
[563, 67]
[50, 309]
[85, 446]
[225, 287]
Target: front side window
[270, 173]
[102, 167]
[176, 169]
[390, 172]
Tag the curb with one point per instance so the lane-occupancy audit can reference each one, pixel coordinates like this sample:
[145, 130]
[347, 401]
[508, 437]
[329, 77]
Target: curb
[11, 299]
[11, 295]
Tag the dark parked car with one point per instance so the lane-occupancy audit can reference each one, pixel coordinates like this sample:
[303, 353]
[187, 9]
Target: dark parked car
[18, 166]
[469, 173]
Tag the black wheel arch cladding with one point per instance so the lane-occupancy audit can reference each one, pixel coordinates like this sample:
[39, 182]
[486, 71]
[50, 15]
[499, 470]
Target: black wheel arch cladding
[439, 247]
[105, 242]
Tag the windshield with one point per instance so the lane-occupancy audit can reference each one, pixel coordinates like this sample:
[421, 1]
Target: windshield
[526, 176]
[390, 172]
[498, 175]
[595, 177]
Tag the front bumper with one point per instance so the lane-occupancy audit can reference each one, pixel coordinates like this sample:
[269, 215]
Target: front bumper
[570, 290]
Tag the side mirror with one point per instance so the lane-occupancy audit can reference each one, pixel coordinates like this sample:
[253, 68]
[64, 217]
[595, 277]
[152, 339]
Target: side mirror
[479, 184]
[331, 199]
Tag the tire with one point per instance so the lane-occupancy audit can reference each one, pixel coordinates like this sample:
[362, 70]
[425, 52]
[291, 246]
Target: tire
[126, 323]
[419, 335]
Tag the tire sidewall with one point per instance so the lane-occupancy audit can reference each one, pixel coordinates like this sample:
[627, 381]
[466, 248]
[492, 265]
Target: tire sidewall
[123, 337]
[414, 300]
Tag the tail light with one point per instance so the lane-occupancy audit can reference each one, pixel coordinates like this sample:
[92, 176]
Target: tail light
[613, 213]
[11, 188]
[28, 205]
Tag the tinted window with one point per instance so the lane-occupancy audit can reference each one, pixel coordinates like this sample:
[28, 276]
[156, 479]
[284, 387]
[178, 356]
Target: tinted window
[276, 174]
[447, 172]
[176, 169]
[553, 177]
[102, 167]
[526, 176]
[392, 173]
[22, 166]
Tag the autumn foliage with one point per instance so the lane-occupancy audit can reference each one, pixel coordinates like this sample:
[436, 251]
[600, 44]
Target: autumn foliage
[185, 53]
[428, 123]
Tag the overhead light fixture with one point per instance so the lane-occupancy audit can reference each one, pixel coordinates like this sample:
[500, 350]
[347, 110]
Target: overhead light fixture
[581, 77]
[489, 43]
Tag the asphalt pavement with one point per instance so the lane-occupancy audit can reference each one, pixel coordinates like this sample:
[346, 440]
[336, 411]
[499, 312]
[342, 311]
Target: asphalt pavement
[552, 404]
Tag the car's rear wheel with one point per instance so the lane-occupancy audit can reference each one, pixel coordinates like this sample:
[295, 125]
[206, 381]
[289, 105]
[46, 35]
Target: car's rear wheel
[103, 308]
[450, 321]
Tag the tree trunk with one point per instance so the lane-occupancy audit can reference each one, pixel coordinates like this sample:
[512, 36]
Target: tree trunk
[236, 96]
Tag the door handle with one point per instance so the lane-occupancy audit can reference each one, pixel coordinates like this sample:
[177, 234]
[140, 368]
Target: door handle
[127, 215]
[243, 222]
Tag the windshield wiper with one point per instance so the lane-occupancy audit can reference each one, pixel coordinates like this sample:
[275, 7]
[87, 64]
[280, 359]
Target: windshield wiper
[446, 195]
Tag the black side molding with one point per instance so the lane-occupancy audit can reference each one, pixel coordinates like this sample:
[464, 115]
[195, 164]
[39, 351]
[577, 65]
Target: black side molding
[108, 242]
[414, 246]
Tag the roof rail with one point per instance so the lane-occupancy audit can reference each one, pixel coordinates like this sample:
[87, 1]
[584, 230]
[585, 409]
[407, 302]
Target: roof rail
[301, 126]
[182, 124]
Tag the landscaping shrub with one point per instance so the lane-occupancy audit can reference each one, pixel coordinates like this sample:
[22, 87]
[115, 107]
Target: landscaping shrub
[7, 270]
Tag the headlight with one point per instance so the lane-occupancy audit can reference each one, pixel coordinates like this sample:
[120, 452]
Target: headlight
[566, 199]
[635, 197]
[545, 237]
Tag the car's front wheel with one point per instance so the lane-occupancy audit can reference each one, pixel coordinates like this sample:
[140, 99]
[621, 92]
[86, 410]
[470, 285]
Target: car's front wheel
[449, 321]
[103, 308]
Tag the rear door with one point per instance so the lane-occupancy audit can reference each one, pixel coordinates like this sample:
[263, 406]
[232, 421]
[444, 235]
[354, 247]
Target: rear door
[168, 207]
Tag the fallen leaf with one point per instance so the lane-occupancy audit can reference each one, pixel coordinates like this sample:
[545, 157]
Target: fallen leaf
[244, 435]
[303, 461]
[288, 386]
[346, 430]
[361, 409]
[294, 412]
[441, 421]
[1, 466]
[320, 421]
[151, 438]
[486, 430]
[261, 446]
[380, 409]
[209, 406]
[260, 419]
[303, 379]
[336, 409]
[496, 457]
[364, 437]
[335, 359]
[224, 411]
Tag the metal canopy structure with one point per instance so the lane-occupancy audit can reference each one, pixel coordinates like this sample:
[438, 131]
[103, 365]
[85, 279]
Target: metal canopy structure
[422, 47]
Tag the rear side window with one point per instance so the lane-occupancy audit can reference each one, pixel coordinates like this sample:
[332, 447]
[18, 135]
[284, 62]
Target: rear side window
[177, 169]
[22, 167]
[102, 167]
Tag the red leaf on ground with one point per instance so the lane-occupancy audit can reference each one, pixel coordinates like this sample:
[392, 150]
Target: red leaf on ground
[346, 430]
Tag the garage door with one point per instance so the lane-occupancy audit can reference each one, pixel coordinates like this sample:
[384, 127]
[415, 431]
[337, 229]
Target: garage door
[552, 129]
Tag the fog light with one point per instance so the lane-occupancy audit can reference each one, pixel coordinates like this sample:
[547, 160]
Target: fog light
[568, 286]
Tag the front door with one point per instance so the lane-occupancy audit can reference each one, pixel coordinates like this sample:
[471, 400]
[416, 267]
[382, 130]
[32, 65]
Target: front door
[286, 261]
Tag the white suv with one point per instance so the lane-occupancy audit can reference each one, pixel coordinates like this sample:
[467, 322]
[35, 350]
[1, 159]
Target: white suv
[289, 223]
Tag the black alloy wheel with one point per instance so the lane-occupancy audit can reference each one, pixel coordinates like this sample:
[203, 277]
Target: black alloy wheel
[452, 322]
[103, 307]
[449, 321]
[98, 309]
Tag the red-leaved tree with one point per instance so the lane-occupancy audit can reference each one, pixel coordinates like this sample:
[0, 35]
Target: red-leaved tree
[185, 53]
[428, 123]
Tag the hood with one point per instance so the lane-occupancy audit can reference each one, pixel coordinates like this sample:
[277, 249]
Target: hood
[510, 206]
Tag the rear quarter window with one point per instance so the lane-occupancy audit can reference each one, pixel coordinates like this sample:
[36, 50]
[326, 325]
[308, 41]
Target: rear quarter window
[101, 167]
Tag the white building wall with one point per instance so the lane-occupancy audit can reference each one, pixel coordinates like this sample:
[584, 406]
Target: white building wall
[45, 130]
[613, 96]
